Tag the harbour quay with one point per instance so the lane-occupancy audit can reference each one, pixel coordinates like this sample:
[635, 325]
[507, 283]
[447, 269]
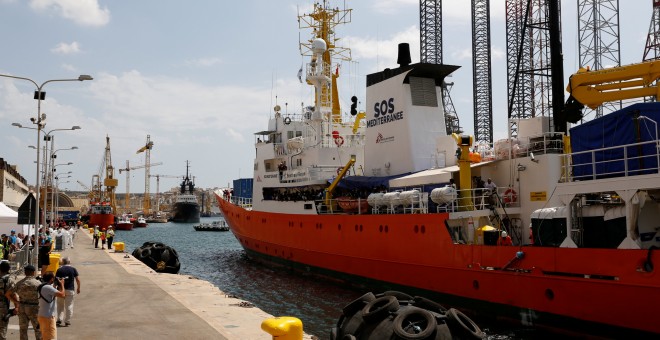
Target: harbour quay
[122, 298]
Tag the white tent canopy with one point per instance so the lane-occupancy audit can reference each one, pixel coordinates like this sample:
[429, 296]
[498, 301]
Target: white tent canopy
[8, 219]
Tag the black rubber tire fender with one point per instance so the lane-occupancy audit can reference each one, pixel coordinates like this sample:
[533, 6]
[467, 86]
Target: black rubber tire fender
[345, 337]
[379, 308]
[398, 295]
[419, 319]
[424, 303]
[357, 304]
[145, 253]
[460, 324]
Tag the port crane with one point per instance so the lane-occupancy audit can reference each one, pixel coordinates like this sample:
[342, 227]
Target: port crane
[110, 181]
[127, 169]
[146, 205]
[158, 187]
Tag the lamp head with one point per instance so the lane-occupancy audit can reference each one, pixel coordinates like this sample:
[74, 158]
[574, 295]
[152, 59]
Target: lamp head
[75, 127]
[16, 124]
[85, 77]
[74, 148]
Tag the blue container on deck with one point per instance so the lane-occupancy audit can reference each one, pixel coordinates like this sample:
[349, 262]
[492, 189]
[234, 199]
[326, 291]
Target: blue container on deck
[612, 131]
[243, 187]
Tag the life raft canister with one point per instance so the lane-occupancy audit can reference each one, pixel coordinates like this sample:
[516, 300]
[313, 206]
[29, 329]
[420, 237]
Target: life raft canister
[510, 196]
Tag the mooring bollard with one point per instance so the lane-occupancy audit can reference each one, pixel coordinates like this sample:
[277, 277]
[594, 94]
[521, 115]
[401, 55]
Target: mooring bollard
[283, 328]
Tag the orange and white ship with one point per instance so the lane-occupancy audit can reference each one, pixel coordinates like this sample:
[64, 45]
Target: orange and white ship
[583, 225]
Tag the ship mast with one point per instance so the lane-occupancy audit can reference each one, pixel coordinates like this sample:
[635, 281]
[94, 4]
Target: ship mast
[319, 71]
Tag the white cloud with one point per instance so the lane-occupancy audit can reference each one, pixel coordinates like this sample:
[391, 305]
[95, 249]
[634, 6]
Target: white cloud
[82, 12]
[391, 6]
[64, 48]
[364, 48]
[69, 67]
[204, 62]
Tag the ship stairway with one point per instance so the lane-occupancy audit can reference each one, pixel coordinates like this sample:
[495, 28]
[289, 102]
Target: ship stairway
[577, 228]
[504, 222]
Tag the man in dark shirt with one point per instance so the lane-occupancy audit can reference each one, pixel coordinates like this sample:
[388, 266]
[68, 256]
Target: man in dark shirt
[65, 305]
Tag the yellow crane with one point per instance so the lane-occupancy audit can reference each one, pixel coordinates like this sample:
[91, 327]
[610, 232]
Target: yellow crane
[146, 206]
[110, 181]
[593, 88]
[127, 169]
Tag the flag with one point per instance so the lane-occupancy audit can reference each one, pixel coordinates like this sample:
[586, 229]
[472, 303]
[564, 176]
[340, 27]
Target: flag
[300, 74]
[337, 71]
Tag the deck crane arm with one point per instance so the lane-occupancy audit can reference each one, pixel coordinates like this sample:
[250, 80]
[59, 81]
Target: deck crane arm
[594, 88]
[340, 175]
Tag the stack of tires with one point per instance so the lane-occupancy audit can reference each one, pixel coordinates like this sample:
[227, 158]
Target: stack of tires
[395, 315]
[159, 257]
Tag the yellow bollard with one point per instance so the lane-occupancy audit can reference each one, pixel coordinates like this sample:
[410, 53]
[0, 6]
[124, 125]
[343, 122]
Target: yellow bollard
[283, 328]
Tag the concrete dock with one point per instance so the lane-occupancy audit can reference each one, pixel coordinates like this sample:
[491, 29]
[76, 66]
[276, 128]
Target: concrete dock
[121, 298]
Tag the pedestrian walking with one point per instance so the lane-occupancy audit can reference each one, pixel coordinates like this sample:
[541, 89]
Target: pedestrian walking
[65, 305]
[103, 238]
[47, 305]
[110, 236]
[96, 236]
[6, 285]
[28, 302]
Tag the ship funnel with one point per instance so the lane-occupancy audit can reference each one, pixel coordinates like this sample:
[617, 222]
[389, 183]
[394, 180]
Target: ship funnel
[404, 55]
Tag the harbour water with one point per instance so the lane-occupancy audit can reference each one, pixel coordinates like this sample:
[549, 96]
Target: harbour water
[217, 257]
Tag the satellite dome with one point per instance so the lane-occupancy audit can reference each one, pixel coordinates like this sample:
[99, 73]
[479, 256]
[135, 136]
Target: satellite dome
[319, 45]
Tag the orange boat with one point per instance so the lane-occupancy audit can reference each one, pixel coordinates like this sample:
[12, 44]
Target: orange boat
[583, 225]
[100, 214]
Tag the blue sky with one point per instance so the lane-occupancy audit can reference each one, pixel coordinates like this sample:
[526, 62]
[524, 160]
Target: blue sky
[200, 77]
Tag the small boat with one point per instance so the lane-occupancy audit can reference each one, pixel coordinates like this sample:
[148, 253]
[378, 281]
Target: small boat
[215, 226]
[124, 223]
[141, 222]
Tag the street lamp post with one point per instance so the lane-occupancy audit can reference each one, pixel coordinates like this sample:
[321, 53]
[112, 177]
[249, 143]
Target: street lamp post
[53, 209]
[55, 203]
[53, 155]
[40, 122]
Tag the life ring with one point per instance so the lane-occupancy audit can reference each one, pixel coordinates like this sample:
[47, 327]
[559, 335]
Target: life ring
[510, 196]
[339, 140]
[287, 120]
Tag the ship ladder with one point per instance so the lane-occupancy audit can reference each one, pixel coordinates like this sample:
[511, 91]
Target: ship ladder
[577, 229]
[503, 223]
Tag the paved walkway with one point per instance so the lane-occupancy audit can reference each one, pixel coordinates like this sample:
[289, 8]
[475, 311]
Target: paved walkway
[121, 298]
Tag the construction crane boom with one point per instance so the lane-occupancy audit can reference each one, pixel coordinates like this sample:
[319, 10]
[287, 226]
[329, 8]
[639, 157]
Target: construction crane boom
[146, 205]
[127, 169]
[158, 187]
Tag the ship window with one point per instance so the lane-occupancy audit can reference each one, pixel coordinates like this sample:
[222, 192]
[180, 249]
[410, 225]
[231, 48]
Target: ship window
[256, 167]
[289, 134]
[308, 206]
[299, 162]
[298, 133]
[267, 164]
[423, 92]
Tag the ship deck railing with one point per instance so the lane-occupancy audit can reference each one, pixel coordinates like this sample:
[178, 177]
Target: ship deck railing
[243, 202]
[634, 159]
[481, 199]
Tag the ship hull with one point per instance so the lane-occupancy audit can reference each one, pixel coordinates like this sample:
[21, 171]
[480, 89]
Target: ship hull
[546, 287]
[101, 220]
[124, 226]
[185, 213]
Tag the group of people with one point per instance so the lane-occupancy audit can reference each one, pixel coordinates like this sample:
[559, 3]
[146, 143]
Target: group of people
[104, 235]
[46, 303]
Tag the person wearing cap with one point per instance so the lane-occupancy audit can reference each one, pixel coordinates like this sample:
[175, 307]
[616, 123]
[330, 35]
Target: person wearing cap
[505, 239]
[110, 234]
[47, 305]
[28, 302]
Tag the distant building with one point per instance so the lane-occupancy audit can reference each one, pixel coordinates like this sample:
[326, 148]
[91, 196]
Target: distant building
[13, 187]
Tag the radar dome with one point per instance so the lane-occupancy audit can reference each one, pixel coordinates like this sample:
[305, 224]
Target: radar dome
[319, 45]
